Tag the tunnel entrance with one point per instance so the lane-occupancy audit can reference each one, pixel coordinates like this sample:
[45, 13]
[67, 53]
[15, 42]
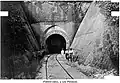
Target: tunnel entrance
[55, 43]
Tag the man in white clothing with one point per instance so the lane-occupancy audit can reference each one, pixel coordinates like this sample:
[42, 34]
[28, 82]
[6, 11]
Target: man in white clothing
[62, 52]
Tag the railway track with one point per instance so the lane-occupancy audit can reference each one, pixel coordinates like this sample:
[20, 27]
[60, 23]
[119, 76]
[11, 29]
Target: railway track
[46, 66]
[59, 65]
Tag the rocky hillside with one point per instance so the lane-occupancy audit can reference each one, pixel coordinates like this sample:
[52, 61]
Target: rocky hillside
[98, 36]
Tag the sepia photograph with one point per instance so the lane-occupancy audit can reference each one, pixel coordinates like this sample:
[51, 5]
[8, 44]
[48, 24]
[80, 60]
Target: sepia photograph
[59, 39]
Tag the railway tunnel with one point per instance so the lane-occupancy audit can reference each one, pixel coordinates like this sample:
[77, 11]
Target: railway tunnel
[56, 40]
[55, 43]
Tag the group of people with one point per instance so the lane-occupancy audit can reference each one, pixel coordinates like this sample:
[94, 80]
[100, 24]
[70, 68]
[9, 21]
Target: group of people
[69, 55]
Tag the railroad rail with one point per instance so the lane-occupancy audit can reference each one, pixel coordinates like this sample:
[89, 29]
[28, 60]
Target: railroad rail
[59, 65]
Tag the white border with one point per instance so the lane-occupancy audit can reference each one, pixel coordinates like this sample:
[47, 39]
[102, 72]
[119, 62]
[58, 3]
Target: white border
[3, 13]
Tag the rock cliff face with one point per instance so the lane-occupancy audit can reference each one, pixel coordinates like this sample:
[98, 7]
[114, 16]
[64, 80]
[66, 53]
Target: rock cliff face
[90, 36]
[90, 31]
[16, 37]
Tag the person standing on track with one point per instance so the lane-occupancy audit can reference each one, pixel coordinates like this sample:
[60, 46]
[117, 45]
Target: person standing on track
[67, 54]
[71, 54]
[62, 52]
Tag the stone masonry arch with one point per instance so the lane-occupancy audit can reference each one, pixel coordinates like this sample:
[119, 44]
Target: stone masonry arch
[60, 31]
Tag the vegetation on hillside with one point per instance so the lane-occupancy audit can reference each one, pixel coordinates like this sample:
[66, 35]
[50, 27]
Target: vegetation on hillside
[103, 59]
[21, 64]
[111, 33]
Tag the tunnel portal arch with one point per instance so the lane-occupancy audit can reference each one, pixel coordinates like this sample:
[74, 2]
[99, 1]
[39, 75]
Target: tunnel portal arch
[58, 31]
[55, 43]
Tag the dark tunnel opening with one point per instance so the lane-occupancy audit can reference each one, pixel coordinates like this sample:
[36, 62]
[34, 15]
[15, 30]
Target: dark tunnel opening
[55, 43]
